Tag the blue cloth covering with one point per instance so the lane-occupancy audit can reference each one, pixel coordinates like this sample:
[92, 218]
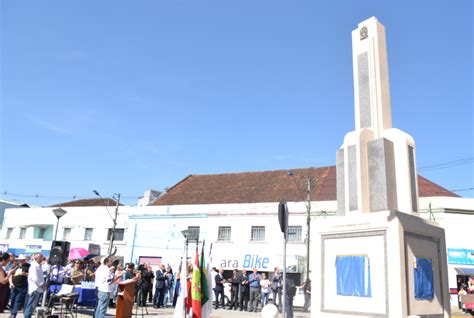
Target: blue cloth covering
[86, 296]
[353, 276]
[424, 279]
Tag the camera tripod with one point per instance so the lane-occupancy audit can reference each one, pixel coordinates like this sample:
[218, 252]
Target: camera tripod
[143, 309]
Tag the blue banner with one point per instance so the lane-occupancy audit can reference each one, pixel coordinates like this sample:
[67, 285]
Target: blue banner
[18, 251]
[424, 279]
[460, 256]
[353, 275]
[31, 249]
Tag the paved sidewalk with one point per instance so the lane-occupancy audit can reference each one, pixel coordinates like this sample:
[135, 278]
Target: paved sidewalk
[168, 313]
[220, 313]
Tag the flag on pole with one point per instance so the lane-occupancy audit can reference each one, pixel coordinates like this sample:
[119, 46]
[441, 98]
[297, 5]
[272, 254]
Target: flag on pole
[183, 268]
[204, 288]
[189, 300]
[196, 287]
[206, 301]
[209, 276]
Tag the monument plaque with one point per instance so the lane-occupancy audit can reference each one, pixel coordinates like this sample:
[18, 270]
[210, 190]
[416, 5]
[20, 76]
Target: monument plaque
[379, 259]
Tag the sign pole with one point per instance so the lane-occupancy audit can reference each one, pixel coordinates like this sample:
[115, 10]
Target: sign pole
[283, 219]
[284, 274]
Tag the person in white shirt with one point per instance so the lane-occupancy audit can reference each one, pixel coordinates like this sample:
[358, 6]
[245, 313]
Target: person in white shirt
[104, 282]
[45, 267]
[265, 289]
[36, 285]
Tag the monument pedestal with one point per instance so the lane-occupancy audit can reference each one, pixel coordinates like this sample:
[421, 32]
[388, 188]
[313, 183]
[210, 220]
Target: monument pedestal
[384, 264]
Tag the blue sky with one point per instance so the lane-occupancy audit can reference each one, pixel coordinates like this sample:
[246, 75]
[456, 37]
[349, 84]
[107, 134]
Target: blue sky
[123, 96]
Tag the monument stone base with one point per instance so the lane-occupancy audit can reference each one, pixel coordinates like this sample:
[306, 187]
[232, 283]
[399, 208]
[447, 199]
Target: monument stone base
[367, 265]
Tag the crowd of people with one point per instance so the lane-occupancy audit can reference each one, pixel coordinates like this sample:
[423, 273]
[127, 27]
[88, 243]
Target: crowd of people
[251, 291]
[23, 281]
[465, 287]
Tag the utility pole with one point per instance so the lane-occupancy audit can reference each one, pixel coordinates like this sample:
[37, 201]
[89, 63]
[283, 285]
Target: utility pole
[307, 203]
[112, 235]
[308, 225]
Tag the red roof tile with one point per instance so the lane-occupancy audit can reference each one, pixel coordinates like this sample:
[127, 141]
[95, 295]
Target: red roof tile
[88, 202]
[266, 186]
[427, 188]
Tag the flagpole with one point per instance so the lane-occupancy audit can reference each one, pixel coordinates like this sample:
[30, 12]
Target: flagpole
[185, 278]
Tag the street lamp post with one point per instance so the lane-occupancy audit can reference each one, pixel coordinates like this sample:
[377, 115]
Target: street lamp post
[307, 203]
[114, 219]
[308, 226]
[185, 263]
[186, 237]
[59, 213]
[112, 235]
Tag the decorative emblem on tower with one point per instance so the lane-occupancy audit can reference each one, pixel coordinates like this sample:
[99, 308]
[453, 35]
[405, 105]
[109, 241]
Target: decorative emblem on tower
[364, 33]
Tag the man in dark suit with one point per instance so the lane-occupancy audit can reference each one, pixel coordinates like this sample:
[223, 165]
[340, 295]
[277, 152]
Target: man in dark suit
[244, 290]
[146, 283]
[290, 294]
[219, 290]
[234, 289]
[160, 286]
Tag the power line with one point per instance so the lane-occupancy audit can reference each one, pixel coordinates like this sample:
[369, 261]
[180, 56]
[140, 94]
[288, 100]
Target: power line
[436, 166]
[461, 190]
[447, 164]
[74, 197]
[42, 196]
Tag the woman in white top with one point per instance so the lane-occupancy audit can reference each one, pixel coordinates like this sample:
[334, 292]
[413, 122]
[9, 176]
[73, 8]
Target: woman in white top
[265, 289]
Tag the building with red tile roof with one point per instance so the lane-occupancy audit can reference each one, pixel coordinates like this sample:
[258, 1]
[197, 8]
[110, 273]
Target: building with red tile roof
[268, 186]
[88, 202]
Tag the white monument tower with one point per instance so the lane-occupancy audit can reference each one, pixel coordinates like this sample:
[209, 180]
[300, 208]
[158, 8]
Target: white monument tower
[380, 259]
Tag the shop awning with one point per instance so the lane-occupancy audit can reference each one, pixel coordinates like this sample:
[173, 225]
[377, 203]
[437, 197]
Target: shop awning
[39, 224]
[465, 270]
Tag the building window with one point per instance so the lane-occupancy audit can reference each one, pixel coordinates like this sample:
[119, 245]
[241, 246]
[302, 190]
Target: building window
[258, 233]
[88, 234]
[193, 235]
[118, 236]
[66, 233]
[294, 233]
[22, 233]
[9, 233]
[43, 232]
[224, 233]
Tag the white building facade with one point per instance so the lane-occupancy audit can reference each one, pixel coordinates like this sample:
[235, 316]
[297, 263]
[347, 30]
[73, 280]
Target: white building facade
[248, 235]
[243, 235]
[8, 204]
[30, 230]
